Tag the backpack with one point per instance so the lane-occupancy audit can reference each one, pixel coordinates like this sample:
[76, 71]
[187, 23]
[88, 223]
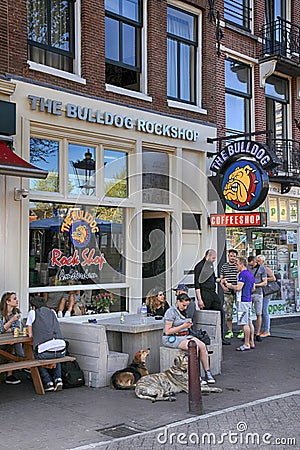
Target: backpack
[72, 375]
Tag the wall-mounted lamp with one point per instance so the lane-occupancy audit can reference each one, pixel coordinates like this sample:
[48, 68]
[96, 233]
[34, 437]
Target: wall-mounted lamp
[20, 194]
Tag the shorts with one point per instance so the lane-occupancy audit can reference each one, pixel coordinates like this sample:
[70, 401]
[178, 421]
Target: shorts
[229, 300]
[175, 344]
[244, 310]
[258, 303]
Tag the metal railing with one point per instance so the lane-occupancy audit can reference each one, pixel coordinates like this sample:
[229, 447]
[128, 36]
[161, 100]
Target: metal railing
[281, 38]
[288, 153]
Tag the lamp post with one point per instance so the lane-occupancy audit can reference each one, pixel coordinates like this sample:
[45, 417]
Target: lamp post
[85, 171]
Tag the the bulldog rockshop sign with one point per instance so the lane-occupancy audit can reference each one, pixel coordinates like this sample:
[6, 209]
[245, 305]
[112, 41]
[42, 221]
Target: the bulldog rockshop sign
[241, 168]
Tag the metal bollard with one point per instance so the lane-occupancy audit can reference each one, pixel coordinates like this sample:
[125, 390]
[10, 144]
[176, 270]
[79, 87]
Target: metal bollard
[195, 396]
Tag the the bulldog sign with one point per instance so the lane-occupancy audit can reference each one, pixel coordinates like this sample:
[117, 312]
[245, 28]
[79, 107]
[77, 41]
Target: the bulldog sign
[242, 167]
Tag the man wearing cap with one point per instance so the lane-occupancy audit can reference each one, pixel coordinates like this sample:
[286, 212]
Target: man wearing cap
[191, 309]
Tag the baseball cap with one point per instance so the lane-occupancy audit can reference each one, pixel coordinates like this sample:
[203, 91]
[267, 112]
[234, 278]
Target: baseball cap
[181, 287]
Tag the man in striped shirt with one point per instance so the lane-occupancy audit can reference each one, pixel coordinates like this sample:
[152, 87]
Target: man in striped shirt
[229, 273]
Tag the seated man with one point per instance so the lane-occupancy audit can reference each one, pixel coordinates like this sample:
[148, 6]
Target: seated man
[48, 343]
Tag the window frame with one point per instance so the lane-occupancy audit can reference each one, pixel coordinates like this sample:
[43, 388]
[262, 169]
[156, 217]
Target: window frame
[138, 25]
[241, 95]
[75, 75]
[193, 45]
[234, 14]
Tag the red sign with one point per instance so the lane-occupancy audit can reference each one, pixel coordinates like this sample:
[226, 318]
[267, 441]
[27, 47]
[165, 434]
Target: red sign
[255, 219]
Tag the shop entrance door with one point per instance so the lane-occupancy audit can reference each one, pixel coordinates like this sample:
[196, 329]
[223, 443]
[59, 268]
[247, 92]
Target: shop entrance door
[154, 251]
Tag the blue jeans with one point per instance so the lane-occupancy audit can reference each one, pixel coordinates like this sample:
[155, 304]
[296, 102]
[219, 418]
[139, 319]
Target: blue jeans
[265, 325]
[45, 374]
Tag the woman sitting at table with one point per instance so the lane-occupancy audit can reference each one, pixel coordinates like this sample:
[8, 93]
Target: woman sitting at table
[9, 320]
[156, 302]
[176, 333]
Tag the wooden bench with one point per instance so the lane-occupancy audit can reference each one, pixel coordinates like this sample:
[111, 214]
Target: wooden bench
[33, 365]
[88, 343]
[211, 322]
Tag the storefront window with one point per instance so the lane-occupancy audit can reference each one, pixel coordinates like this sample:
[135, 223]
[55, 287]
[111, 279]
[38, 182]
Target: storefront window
[155, 177]
[283, 210]
[294, 211]
[75, 244]
[82, 168]
[115, 174]
[280, 250]
[273, 204]
[45, 154]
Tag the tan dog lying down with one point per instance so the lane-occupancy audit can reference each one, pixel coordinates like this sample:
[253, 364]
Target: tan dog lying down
[164, 385]
[127, 378]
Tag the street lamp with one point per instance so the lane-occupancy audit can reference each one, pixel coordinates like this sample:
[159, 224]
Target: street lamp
[85, 171]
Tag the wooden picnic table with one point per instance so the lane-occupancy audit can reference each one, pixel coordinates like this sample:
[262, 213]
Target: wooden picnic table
[18, 362]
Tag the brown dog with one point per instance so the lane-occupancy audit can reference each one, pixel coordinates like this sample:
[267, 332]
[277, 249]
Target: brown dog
[127, 378]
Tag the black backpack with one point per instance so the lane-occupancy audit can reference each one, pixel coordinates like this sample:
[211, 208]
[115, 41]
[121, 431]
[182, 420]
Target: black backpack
[72, 375]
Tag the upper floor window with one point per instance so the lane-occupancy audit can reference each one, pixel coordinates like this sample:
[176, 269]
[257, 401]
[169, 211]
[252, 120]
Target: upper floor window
[238, 12]
[123, 28]
[182, 32]
[50, 33]
[237, 96]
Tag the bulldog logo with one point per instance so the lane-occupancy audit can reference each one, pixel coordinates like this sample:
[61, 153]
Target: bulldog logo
[241, 186]
[80, 234]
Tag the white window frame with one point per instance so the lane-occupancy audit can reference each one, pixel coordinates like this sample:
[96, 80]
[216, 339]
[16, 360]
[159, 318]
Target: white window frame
[186, 106]
[76, 76]
[143, 94]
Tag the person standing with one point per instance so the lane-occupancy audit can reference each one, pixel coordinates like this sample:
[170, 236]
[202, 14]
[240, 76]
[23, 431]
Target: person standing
[229, 273]
[260, 277]
[243, 291]
[265, 326]
[205, 286]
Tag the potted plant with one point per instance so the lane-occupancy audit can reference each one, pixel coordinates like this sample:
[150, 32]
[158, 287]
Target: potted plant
[102, 301]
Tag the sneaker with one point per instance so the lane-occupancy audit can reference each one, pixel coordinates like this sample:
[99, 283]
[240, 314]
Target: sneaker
[202, 382]
[229, 334]
[59, 314]
[240, 335]
[67, 314]
[265, 334]
[209, 378]
[11, 379]
[258, 338]
[58, 384]
[49, 387]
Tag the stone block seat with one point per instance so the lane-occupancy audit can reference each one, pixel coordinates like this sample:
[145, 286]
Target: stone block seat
[88, 343]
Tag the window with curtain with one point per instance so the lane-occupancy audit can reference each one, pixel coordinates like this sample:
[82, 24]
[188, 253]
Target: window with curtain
[50, 33]
[123, 30]
[237, 96]
[182, 35]
[238, 12]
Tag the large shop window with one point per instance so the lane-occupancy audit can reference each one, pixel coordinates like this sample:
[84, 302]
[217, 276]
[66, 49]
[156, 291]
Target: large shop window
[281, 252]
[45, 154]
[237, 96]
[123, 30]
[155, 177]
[115, 174]
[182, 32]
[75, 244]
[82, 169]
[50, 33]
